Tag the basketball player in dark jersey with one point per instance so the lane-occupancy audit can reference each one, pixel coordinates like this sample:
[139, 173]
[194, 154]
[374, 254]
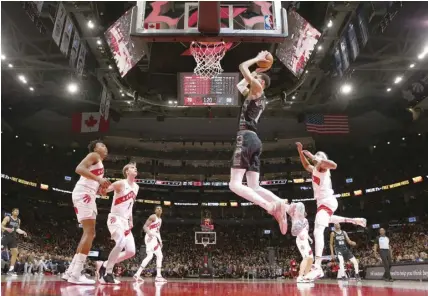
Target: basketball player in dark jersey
[10, 227]
[338, 246]
[246, 157]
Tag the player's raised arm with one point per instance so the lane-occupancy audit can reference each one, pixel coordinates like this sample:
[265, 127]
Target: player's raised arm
[255, 86]
[324, 163]
[303, 159]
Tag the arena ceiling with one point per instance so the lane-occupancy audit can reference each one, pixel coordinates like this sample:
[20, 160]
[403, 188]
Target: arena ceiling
[371, 108]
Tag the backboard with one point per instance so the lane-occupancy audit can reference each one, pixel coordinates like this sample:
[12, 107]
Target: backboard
[180, 21]
[205, 238]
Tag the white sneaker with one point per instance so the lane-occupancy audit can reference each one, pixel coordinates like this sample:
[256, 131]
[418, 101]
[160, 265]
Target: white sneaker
[301, 280]
[65, 276]
[82, 280]
[160, 279]
[315, 273]
[138, 278]
[360, 221]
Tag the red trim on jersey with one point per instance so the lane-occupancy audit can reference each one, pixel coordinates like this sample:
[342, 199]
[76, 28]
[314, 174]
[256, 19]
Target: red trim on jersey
[157, 246]
[325, 208]
[154, 225]
[127, 232]
[76, 210]
[124, 198]
[316, 180]
[98, 172]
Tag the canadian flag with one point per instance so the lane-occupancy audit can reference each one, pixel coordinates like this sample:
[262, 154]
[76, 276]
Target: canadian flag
[89, 122]
[152, 26]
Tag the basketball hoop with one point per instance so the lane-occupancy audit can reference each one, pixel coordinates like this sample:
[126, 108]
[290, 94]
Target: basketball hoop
[208, 56]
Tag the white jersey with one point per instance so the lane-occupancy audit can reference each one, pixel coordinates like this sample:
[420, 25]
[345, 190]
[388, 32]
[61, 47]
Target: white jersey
[155, 225]
[96, 169]
[321, 183]
[124, 200]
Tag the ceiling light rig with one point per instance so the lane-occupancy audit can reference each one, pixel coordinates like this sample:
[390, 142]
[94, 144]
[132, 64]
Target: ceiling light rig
[346, 89]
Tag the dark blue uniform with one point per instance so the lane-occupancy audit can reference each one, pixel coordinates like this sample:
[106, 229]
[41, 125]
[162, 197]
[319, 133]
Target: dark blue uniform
[248, 145]
[340, 246]
[9, 239]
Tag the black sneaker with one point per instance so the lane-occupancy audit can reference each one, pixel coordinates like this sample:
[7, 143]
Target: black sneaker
[102, 271]
[357, 278]
[109, 279]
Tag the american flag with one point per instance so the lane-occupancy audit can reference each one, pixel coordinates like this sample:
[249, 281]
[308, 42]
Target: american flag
[327, 124]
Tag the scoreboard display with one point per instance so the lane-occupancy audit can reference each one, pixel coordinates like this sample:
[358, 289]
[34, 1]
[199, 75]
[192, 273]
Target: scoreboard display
[219, 91]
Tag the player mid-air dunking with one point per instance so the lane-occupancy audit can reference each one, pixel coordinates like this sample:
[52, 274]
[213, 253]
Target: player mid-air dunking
[338, 240]
[153, 245]
[10, 227]
[120, 223]
[91, 171]
[300, 229]
[326, 202]
[246, 157]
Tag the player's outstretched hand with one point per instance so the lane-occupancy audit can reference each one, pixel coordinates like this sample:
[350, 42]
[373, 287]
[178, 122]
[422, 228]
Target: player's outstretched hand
[261, 57]
[104, 183]
[353, 244]
[25, 234]
[299, 146]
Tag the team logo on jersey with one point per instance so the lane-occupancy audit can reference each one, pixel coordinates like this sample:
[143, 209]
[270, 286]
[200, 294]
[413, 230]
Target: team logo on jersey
[112, 220]
[87, 198]
[98, 172]
[316, 180]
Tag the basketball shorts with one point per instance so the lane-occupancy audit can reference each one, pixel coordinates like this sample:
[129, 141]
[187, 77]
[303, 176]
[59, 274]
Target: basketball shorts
[325, 209]
[117, 223]
[9, 241]
[152, 244]
[345, 253]
[84, 203]
[302, 243]
[247, 151]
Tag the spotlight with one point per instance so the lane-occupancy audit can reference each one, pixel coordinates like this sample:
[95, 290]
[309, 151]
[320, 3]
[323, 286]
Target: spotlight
[3, 57]
[74, 150]
[91, 25]
[170, 102]
[16, 136]
[293, 97]
[175, 102]
[320, 47]
[123, 94]
[403, 138]
[388, 143]
[10, 66]
[31, 88]
[330, 24]
[411, 65]
[99, 42]
[21, 77]
[388, 89]
[374, 146]
[110, 67]
[398, 79]
[121, 91]
[346, 89]
[419, 134]
[44, 145]
[72, 88]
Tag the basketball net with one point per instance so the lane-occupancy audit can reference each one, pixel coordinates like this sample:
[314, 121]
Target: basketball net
[208, 56]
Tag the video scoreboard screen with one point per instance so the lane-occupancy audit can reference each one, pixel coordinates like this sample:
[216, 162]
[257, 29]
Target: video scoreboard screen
[220, 91]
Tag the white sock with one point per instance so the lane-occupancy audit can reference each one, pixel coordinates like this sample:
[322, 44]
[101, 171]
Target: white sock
[78, 265]
[158, 272]
[11, 268]
[319, 243]
[73, 262]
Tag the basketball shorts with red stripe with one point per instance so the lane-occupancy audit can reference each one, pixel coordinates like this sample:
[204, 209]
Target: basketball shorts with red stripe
[84, 203]
[152, 245]
[325, 209]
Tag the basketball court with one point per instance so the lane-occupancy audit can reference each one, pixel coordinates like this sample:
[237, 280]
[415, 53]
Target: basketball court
[52, 285]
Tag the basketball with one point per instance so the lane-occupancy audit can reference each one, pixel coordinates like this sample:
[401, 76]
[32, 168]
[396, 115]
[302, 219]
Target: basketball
[267, 64]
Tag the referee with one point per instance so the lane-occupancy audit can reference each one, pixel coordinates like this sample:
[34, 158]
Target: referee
[382, 242]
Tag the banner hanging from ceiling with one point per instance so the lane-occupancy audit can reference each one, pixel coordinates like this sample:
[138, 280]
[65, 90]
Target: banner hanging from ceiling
[59, 24]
